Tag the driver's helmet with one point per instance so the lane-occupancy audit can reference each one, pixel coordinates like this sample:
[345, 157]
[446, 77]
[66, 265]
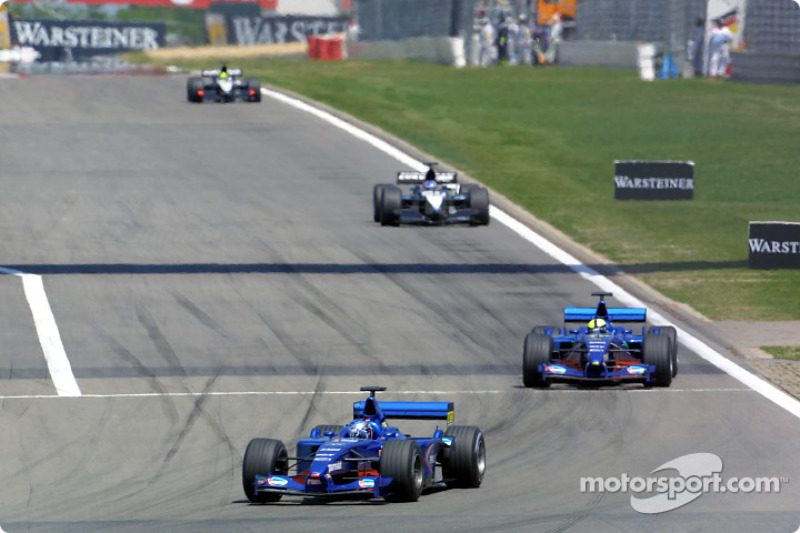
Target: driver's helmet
[362, 429]
[223, 72]
[597, 325]
[430, 185]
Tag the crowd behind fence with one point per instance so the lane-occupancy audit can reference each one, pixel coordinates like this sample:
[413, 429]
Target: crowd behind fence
[772, 26]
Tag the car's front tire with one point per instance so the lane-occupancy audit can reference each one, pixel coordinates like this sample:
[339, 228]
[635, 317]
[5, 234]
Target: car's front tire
[391, 204]
[479, 203]
[263, 457]
[401, 460]
[656, 351]
[537, 350]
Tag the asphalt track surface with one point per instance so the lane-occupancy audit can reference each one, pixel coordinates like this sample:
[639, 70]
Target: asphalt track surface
[215, 276]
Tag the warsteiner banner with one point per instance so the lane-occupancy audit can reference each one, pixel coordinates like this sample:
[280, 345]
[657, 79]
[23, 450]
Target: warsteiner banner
[280, 29]
[774, 245]
[653, 180]
[60, 39]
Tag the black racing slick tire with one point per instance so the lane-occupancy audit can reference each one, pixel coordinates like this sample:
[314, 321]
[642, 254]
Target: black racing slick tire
[672, 333]
[401, 460]
[467, 188]
[537, 350]
[193, 87]
[479, 203]
[336, 428]
[263, 457]
[656, 351]
[391, 203]
[466, 462]
[377, 193]
[253, 90]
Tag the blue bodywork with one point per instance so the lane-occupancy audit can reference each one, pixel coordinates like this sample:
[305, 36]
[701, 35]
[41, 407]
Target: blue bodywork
[336, 463]
[608, 354]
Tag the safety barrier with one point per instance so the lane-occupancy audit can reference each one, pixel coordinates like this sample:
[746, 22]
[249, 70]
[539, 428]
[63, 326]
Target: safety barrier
[327, 47]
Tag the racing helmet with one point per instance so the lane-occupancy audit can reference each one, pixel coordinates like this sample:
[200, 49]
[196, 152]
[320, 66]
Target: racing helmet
[361, 429]
[597, 325]
[430, 185]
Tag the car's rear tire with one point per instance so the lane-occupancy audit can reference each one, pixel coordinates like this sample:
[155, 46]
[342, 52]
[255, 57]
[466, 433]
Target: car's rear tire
[467, 188]
[537, 350]
[254, 84]
[391, 203]
[377, 192]
[263, 457]
[479, 203]
[543, 329]
[466, 462]
[193, 87]
[401, 460]
[656, 351]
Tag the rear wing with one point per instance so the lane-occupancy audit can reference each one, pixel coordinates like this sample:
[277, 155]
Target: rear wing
[615, 314]
[411, 410]
[419, 177]
[213, 73]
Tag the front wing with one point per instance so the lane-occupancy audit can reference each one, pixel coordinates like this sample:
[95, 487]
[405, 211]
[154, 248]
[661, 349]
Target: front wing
[303, 486]
[595, 373]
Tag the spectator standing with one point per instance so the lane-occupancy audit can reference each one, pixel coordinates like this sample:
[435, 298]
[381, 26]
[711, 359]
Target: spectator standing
[488, 52]
[525, 41]
[502, 40]
[697, 45]
[556, 33]
[719, 50]
[513, 36]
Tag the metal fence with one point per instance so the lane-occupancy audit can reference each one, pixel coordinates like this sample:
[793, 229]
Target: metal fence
[390, 20]
[772, 26]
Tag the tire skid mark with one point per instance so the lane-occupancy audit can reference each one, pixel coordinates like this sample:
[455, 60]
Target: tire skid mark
[152, 379]
[162, 344]
[201, 316]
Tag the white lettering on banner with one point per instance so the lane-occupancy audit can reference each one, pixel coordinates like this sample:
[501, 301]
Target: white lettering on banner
[96, 37]
[774, 247]
[245, 30]
[625, 182]
[298, 31]
[281, 30]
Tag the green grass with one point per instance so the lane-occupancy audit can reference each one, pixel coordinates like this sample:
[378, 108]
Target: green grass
[547, 139]
[790, 353]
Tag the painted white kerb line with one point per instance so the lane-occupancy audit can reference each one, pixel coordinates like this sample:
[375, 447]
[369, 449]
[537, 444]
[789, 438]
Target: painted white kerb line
[49, 337]
[749, 379]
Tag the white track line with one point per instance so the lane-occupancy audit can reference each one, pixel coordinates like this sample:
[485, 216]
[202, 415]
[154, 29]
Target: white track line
[146, 395]
[49, 337]
[763, 387]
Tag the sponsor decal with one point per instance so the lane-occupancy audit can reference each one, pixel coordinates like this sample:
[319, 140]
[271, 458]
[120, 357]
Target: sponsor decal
[84, 38]
[679, 482]
[277, 481]
[366, 483]
[774, 245]
[636, 369]
[335, 467]
[280, 29]
[653, 180]
[555, 369]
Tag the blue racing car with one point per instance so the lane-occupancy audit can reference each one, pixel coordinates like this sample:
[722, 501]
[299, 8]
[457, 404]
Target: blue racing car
[368, 456]
[600, 352]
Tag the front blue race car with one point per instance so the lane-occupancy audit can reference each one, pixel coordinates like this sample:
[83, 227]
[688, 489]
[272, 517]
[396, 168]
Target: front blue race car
[368, 456]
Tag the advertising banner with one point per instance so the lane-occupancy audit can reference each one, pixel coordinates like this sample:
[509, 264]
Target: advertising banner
[280, 29]
[653, 180]
[75, 39]
[774, 245]
[195, 4]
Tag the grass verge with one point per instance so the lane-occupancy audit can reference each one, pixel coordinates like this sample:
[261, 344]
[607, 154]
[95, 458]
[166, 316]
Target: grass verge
[789, 353]
[547, 139]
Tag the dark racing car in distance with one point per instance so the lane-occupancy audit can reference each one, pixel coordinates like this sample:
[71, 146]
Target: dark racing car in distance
[434, 198]
[368, 456]
[223, 85]
[600, 352]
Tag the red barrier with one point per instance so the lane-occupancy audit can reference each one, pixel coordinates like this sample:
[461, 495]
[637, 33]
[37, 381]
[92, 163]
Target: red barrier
[313, 46]
[335, 48]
